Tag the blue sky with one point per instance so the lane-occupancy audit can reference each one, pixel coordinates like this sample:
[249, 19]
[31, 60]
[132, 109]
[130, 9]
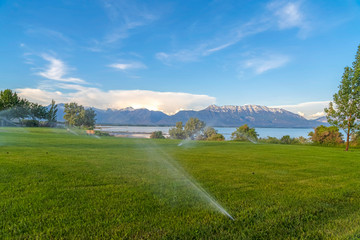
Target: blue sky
[172, 55]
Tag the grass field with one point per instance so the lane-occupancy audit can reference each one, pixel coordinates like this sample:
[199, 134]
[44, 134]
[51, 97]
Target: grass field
[54, 184]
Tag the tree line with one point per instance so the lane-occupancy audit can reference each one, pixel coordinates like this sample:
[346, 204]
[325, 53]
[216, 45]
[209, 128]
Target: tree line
[15, 110]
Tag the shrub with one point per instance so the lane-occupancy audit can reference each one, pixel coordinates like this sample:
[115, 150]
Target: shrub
[102, 134]
[30, 123]
[326, 135]
[244, 133]
[157, 134]
[216, 137]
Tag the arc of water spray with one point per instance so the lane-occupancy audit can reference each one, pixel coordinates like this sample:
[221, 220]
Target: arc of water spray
[194, 185]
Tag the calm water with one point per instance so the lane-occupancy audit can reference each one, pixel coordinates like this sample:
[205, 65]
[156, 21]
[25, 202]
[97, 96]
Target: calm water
[144, 132]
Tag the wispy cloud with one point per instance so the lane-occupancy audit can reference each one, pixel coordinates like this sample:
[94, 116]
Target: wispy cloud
[288, 14]
[266, 63]
[168, 102]
[124, 16]
[128, 65]
[48, 33]
[56, 70]
[278, 15]
[309, 110]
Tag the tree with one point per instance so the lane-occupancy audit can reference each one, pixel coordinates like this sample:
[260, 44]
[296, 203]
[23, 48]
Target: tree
[88, 118]
[177, 132]
[77, 115]
[157, 134]
[72, 111]
[212, 135]
[52, 113]
[193, 127]
[12, 106]
[245, 133]
[346, 112]
[326, 135]
[36, 111]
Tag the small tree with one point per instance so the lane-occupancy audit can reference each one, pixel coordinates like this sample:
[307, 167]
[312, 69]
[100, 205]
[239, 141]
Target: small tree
[177, 132]
[326, 135]
[212, 135]
[157, 135]
[52, 114]
[87, 118]
[345, 114]
[194, 127]
[244, 133]
[77, 115]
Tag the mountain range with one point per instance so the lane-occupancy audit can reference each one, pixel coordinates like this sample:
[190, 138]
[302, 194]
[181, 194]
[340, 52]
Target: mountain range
[219, 116]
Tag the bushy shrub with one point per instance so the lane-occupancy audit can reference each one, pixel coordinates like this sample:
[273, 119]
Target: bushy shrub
[102, 134]
[157, 134]
[269, 139]
[326, 135]
[216, 137]
[30, 123]
[244, 133]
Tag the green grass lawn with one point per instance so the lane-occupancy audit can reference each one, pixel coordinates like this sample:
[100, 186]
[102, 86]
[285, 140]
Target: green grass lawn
[54, 184]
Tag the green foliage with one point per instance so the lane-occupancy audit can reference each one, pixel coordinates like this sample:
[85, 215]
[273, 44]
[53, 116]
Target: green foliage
[355, 138]
[268, 139]
[56, 185]
[30, 123]
[77, 115]
[52, 113]
[102, 134]
[194, 128]
[157, 134]
[9, 99]
[216, 137]
[244, 133]
[211, 134]
[345, 114]
[177, 132]
[326, 135]
[284, 140]
[12, 106]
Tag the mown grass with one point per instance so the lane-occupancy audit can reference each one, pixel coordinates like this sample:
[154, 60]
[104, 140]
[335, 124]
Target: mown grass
[54, 185]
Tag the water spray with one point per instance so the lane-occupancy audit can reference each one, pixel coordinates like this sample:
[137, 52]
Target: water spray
[177, 171]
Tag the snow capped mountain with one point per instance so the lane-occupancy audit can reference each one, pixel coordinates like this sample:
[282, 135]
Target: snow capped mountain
[220, 116]
[245, 108]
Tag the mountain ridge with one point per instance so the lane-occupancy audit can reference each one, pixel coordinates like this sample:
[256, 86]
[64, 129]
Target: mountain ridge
[213, 115]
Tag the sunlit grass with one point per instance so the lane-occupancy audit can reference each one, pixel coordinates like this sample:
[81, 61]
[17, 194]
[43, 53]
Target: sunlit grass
[54, 184]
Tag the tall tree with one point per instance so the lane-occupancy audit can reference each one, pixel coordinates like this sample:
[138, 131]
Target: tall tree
[77, 115]
[177, 132]
[88, 118]
[72, 111]
[52, 113]
[194, 127]
[346, 112]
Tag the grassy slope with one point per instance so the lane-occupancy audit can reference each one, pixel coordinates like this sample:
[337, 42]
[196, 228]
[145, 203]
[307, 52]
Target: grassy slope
[57, 185]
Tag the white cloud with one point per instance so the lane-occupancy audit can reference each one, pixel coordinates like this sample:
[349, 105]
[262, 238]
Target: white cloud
[288, 14]
[126, 66]
[168, 102]
[56, 71]
[317, 115]
[311, 110]
[266, 63]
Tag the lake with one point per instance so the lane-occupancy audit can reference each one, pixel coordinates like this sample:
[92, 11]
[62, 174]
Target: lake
[145, 131]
